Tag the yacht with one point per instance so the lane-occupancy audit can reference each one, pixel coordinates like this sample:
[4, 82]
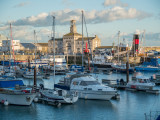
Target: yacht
[141, 83]
[87, 87]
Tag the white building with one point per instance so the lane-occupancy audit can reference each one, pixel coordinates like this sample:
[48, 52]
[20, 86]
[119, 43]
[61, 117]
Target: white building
[7, 44]
[71, 43]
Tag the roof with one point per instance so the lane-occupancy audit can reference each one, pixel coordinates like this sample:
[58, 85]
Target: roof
[10, 83]
[105, 47]
[72, 34]
[28, 45]
[85, 38]
[57, 39]
[43, 44]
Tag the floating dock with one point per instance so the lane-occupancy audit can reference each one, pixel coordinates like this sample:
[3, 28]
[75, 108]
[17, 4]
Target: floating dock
[124, 87]
[49, 102]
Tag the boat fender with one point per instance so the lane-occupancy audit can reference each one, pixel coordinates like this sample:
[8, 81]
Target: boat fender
[56, 103]
[36, 99]
[59, 104]
[28, 99]
[2, 101]
[41, 86]
[64, 93]
[76, 93]
[6, 103]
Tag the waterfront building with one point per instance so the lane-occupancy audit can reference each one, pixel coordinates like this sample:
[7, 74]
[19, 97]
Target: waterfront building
[58, 46]
[42, 48]
[27, 48]
[71, 43]
[6, 45]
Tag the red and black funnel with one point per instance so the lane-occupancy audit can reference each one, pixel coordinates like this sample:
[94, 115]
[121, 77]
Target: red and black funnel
[136, 42]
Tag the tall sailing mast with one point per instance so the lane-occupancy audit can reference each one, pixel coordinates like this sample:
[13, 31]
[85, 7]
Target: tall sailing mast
[82, 38]
[53, 38]
[35, 46]
[118, 45]
[11, 46]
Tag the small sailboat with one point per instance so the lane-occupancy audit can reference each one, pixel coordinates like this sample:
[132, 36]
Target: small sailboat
[58, 95]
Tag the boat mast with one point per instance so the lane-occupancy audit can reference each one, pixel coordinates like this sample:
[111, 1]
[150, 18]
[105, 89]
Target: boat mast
[82, 38]
[144, 45]
[118, 45]
[53, 29]
[35, 46]
[11, 45]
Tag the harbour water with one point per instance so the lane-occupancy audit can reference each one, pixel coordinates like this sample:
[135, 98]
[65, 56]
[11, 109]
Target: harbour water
[130, 106]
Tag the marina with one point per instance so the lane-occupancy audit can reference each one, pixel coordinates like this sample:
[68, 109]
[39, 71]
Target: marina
[131, 105]
[80, 60]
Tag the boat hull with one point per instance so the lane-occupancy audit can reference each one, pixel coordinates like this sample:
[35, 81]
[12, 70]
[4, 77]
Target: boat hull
[17, 99]
[58, 98]
[32, 76]
[139, 86]
[96, 95]
[147, 69]
[101, 65]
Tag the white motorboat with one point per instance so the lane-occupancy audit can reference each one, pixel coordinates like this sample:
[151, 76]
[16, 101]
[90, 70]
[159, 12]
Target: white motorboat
[59, 96]
[14, 92]
[141, 83]
[89, 88]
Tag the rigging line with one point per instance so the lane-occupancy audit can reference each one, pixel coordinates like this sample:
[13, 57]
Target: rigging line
[88, 40]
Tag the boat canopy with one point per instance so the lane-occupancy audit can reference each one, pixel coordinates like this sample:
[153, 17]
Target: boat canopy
[10, 83]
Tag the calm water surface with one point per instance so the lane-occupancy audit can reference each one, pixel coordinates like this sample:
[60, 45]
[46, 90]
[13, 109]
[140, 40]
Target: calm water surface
[130, 106]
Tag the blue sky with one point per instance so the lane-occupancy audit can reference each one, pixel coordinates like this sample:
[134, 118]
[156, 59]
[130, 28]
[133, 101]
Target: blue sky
[103, 17]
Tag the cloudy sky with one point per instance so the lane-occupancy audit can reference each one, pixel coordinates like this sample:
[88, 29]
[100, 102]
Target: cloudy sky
[103, 18]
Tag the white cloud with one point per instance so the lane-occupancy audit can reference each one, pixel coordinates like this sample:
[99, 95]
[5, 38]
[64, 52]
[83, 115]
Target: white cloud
[3, 28]
[21, 4]
[67, 3]
[64, 16]
[114, 3]
[151, 39]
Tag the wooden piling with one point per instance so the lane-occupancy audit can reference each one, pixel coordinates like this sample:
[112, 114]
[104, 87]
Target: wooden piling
[127, 71]
[35, 81]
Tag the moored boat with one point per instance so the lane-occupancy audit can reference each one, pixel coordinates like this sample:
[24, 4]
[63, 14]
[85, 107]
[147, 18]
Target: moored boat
[59, 96]
[141, 83]
[14, 92]
[87, 87]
